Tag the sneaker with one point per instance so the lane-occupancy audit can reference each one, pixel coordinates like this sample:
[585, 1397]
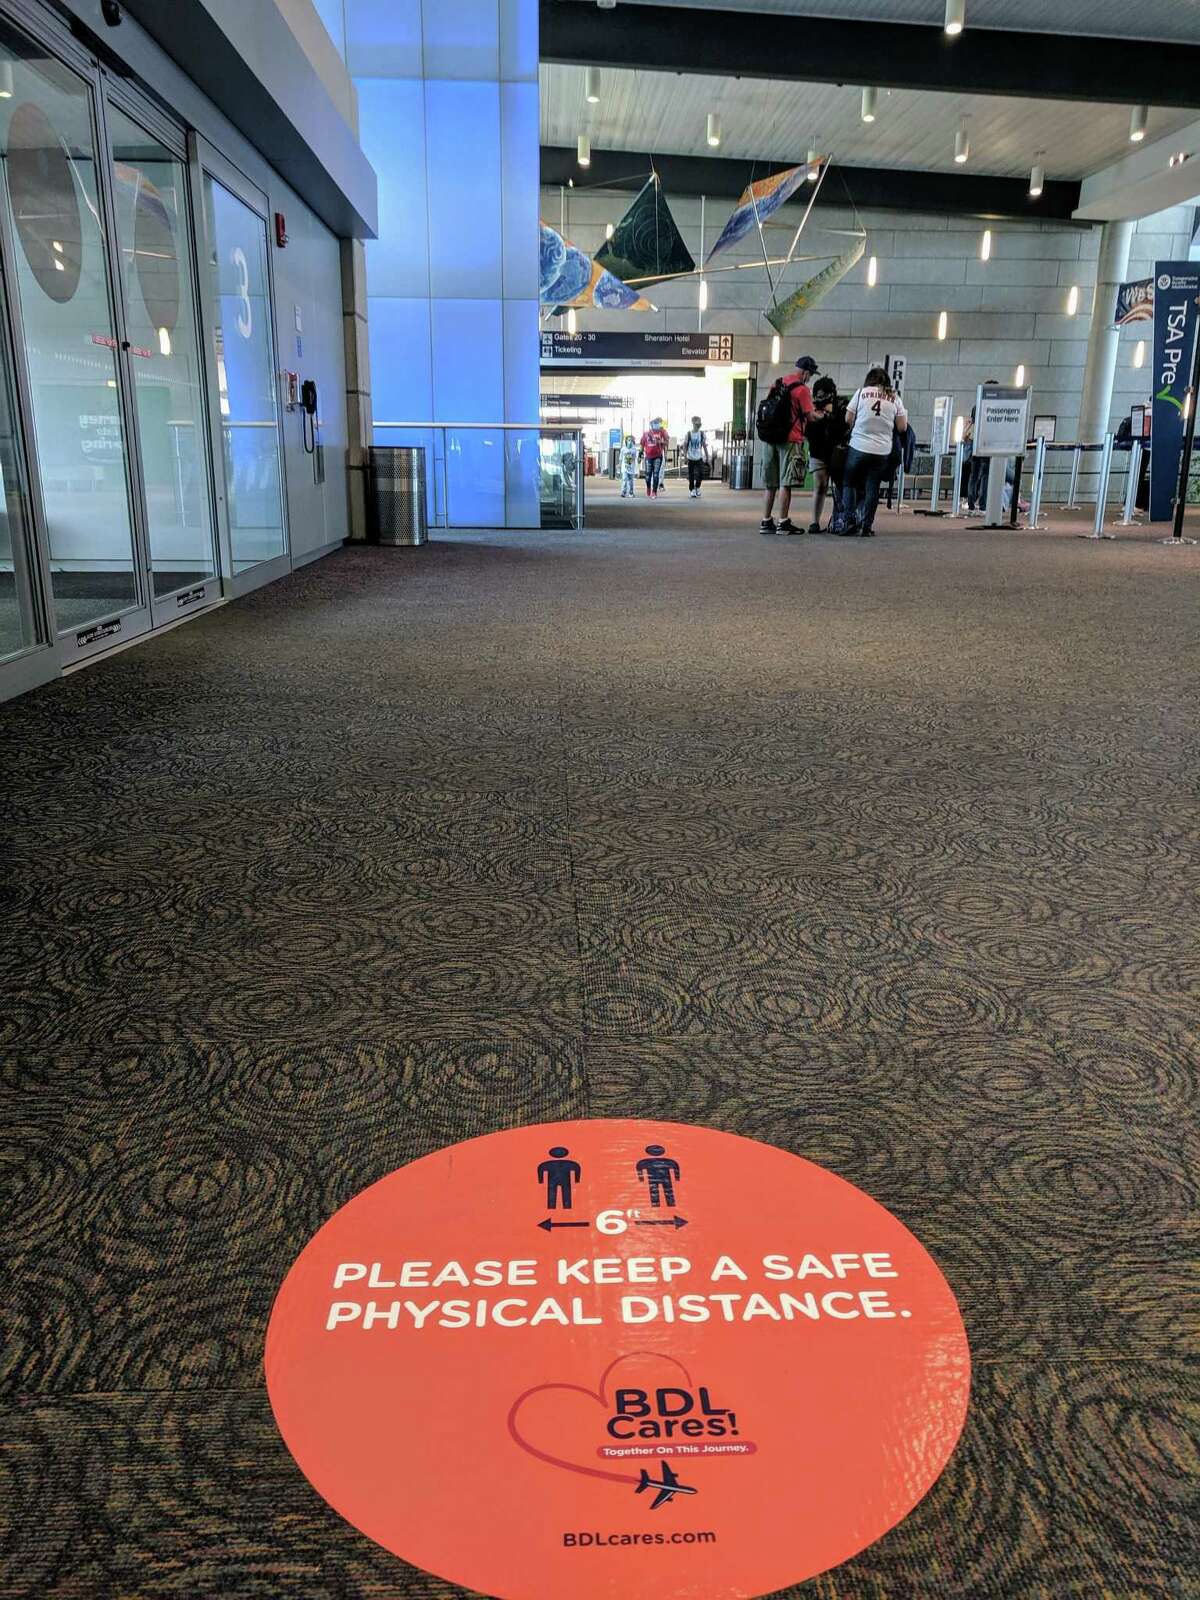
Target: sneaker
[767, 525]
[788, 526]
[867, 533]
[814, 527]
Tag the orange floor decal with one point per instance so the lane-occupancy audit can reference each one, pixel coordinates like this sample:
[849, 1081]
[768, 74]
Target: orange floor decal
[619, 1359]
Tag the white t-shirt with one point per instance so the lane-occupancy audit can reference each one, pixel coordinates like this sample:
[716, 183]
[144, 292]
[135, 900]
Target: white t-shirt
[697, 444]
[875, 415]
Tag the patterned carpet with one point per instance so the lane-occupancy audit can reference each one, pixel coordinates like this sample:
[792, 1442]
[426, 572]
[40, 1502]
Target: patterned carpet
[883, 852]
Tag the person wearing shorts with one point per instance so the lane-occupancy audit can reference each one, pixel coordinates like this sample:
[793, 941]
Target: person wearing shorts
[785, 465]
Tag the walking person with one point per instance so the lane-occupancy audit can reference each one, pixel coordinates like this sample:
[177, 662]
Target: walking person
[977, 479]
[782, 420]
[825, 437]
[875, 415]
[654, 450]
[695, 450]
[629, 461]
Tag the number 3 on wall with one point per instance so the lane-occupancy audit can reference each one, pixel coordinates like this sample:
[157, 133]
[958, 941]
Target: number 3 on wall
[245, 319]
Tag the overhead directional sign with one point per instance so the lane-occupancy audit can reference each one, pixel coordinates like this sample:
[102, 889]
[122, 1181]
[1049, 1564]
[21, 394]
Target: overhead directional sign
[734, 1372]
[636, 349]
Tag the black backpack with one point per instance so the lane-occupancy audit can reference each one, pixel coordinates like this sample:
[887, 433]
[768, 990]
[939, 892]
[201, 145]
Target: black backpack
[776, 414]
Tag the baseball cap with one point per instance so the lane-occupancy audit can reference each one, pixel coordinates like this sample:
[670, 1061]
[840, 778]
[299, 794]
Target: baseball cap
[807, 364]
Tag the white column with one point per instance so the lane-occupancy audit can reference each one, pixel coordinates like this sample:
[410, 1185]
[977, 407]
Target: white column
[1103, 339]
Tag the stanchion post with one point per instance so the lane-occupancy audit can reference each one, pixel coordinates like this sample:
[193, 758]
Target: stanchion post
[936, 488]
[1102, 476]
[1076, 458]
[1018, 470]
[956, 496]
[1131, 484]
[1039, 479]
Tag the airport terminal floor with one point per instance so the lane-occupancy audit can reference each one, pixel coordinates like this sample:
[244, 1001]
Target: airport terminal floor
[877, 851]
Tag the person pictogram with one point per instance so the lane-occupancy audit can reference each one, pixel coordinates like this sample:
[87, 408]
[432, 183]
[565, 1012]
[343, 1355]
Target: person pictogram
[659, 1172]
[558, 1176]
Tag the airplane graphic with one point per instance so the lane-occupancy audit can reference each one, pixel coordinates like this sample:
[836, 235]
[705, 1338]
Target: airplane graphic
[668, 1487]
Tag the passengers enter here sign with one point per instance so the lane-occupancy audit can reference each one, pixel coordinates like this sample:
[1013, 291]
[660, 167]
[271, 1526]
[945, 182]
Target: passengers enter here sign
[618, 1358]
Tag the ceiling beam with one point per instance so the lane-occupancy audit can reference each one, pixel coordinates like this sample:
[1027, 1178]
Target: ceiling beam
[950, 193]
[890, 55]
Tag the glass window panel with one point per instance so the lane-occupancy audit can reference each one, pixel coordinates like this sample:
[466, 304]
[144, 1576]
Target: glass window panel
[245, 362]
[47, 142]
[149, 190]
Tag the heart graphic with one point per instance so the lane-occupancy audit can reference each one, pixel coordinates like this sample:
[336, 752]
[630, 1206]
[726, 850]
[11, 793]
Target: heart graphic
[582, 1418]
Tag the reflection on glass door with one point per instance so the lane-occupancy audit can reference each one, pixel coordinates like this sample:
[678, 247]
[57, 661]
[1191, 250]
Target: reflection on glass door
[149, 192]
[48, 145]
[18, 627]
[245, 364]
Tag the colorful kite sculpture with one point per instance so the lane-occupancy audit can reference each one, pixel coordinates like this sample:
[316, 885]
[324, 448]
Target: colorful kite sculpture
[788, 313]
[646, 245]
[760, 201]
[567, 277]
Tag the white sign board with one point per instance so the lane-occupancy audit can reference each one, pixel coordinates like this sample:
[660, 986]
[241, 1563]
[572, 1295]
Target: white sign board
[1001, 420]
[943, 422]
[1044, 427]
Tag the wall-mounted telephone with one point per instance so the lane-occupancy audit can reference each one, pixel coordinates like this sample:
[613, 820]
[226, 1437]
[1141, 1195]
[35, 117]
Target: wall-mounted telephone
[308, 403]
[308, 396]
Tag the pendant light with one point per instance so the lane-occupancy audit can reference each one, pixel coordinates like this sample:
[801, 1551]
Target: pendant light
[869, 99]
[1037, 180]
[6, 80]
[1138, 118]
[591, 86]
[962, 144]
[813, 170]
[956, 16]
[712, 131]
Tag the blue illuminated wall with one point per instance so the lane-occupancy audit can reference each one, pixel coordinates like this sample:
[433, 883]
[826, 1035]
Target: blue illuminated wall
[448, 116]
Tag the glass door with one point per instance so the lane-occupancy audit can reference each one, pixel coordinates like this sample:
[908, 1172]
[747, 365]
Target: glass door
[239, 325]
[21, 627]
[153, 235]
[69, 347]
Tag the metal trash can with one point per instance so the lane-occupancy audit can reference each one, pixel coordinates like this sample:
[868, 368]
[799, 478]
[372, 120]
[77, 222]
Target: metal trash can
[399, 515]
[741, 470]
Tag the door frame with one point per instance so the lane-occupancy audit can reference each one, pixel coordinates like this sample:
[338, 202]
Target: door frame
[207, 161]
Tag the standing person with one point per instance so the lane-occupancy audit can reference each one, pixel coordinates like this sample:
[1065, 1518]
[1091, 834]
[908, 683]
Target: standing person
[825, 435]
[875, 415]
[695, 449]
[654, 449]
[977, 482]
[783, 463]
[629, 460]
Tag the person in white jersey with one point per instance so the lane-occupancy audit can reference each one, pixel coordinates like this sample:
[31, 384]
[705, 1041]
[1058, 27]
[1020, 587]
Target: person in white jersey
[874, 416]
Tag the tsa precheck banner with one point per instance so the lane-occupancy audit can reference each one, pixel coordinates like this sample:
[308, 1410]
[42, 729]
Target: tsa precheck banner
[1176, 285]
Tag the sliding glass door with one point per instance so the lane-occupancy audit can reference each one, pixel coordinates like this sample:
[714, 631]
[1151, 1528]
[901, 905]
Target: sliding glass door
[153, 233]
[244, 384]
[70, 345]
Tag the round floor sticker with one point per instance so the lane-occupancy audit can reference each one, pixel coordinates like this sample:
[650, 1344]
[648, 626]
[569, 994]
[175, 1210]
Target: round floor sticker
[618, 1358]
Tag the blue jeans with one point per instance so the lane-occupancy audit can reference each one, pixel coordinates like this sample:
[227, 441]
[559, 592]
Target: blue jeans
[860, 486]
[654, 469]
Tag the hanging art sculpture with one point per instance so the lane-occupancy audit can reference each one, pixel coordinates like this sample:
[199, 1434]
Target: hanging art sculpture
[758, 202]
[568, 278]
[646, 245]
[784, 316]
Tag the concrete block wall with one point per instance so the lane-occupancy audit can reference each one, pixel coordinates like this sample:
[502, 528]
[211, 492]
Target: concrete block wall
[1005, 312]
